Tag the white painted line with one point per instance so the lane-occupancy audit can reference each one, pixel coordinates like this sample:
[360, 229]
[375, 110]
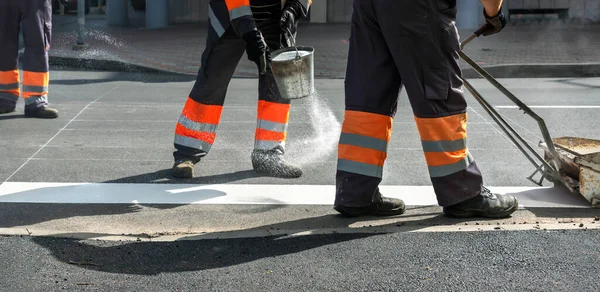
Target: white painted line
[114, 193]
[225, 121]
[59, 131]
[491, 125]
[550, 106]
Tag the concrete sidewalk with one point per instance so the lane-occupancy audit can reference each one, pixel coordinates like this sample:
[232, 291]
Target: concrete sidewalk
[535, 50]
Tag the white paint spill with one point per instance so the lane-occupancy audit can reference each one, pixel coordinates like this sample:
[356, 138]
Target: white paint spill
[92, 36]
[101, 35]
[324, 137]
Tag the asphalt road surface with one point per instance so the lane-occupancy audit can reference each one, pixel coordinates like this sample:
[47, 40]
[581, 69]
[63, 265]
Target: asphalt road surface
[480, 261]
[73, 187]
[118, 127]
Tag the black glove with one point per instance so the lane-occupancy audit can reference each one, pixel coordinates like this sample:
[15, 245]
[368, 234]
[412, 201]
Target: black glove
[257, 50]
[495, 24]
[290, 15]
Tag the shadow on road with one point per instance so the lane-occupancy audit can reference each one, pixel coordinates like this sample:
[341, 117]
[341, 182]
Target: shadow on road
[561, 203]
[164, 176]
[578, 82]
[24, 214]
[565, 213]
[186, 256]
[229, 248]
[11, 116]
[152, 258]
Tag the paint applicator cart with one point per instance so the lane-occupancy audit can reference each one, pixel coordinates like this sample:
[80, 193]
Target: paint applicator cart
[571, 161]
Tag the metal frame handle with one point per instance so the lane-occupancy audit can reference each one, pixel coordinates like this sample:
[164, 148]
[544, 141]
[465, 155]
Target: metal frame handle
[554, 171]
[476, 34]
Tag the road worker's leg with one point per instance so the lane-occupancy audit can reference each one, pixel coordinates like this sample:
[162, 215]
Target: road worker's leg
[9, 49]
[424, 41]
[272, 111]
[371, 92]
[37, 35]
[195, 132]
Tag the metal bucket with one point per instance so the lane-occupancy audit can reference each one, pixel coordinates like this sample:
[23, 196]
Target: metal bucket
[293, 69]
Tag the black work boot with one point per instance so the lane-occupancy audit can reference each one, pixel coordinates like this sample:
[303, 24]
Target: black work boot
[272, 163]
[383, 207]
[486, 204]
[41, 112]
[183, 168]
[6, 110]
[7, 107]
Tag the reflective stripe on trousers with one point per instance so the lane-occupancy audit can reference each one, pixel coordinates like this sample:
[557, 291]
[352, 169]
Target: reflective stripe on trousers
[444, 142]
[35, 87]
[9, 86]
[197, 125]
[363, 143]
[272, 123]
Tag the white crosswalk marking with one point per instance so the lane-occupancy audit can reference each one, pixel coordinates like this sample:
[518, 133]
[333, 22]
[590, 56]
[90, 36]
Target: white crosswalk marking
[251, 194]
[551, 106]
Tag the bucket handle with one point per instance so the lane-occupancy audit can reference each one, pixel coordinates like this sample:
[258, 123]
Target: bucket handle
[298, 58]
[293, 43]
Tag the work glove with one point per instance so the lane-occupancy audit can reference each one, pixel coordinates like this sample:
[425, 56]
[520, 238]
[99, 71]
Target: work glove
[257, 50]
[494, 24]
[292, 12]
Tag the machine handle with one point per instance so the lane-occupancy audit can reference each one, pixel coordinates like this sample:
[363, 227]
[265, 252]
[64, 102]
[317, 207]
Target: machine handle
[556, 169]
[476, 34]
[483, 28]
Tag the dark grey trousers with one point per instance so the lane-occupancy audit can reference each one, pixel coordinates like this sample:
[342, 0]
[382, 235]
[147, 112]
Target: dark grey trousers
[223, 51]
[34, 17]
[412, 44]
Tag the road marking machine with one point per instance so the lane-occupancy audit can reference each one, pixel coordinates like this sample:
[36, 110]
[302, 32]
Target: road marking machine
[571, 161]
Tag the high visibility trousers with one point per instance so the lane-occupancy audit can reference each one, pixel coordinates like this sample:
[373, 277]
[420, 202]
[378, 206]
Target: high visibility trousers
[396, 43]
[195, 131]
[35, 18]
